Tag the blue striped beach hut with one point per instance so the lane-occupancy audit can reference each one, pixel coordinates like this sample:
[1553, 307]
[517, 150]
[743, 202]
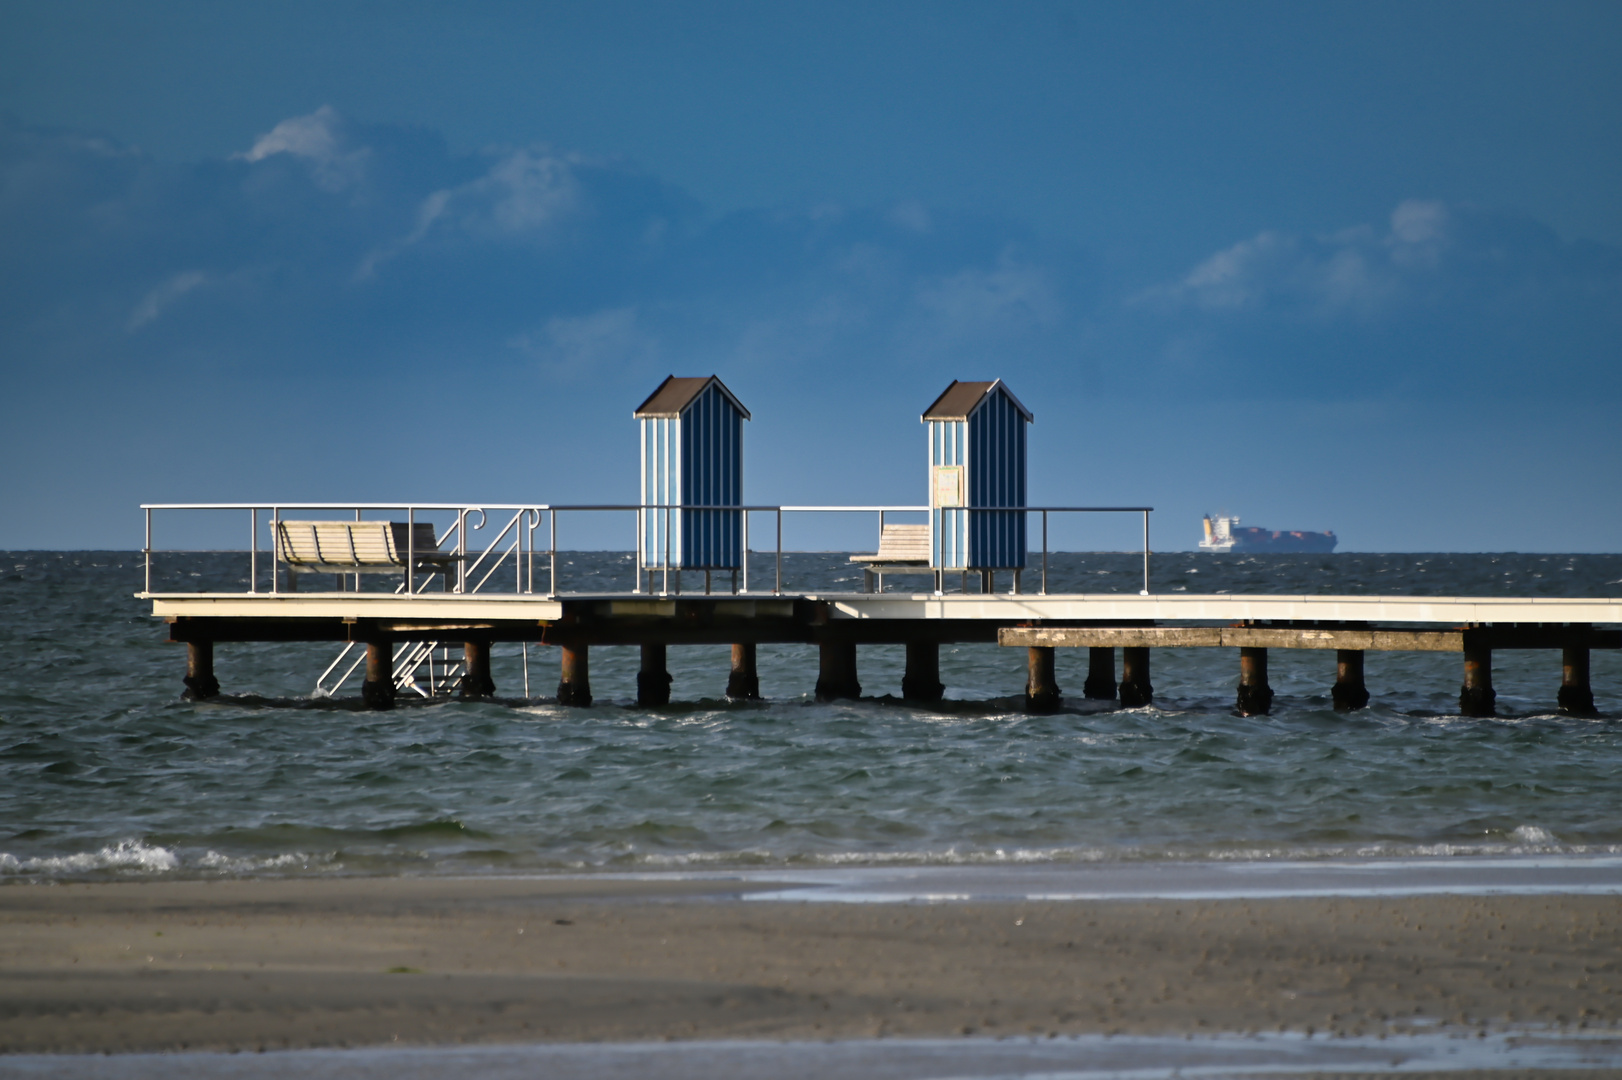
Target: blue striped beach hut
[692, 455]
[977, 477]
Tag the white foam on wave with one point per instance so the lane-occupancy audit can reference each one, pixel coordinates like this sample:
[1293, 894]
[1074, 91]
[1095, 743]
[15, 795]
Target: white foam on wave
[126, 855]
[1525, 841]
[292, 860]
[139, 857]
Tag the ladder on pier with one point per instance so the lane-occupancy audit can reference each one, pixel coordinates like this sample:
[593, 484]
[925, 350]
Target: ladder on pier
[428, 668]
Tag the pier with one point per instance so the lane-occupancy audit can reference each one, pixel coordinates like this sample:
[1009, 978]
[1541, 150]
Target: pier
[512, 593]
[450, 580]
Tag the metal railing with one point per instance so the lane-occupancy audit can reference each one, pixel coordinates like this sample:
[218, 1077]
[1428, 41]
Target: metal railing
[516, 539]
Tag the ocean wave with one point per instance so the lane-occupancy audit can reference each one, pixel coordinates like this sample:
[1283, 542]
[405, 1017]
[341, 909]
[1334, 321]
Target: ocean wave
[136, 857]
[126, 855]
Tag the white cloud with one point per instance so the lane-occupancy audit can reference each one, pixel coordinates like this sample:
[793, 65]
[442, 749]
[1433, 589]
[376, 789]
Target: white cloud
[1010, 295]
[522, 196]
[574, 347]
[1357, 271]
[153, 304]
[318, 139]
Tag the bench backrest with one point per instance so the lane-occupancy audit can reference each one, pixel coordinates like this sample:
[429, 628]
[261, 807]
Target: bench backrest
[904, 543]
[351, 543]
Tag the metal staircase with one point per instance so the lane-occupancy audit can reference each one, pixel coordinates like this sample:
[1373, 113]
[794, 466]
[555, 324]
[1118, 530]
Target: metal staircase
[427, 668]
[435, 668]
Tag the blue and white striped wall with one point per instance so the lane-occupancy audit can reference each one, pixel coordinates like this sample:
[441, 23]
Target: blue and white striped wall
[695, 459]
[984, 531]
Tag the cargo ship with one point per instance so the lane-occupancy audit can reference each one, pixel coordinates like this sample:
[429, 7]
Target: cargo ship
[1224, 534]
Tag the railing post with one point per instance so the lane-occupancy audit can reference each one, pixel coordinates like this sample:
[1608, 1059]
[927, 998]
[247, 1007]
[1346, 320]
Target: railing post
[1145, 553]
[1044, 553]
[147, 550]
[664, 589]
[461, 549]
[745, 554]
[552, 549]
[253, 549]
[637, 552]
[411, 549]
[779, 588]
[275, 555]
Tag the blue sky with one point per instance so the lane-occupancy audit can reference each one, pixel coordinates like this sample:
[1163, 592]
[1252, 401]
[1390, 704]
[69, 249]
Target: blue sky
[1351, 266]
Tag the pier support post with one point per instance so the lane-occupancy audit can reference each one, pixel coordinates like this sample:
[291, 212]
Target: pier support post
[1041, 685]
[378, 689]
[1255, 696]
[574, 688]
[922, 679]
[476, 681]
[1576, 696]
[1100, 684]
[1136, 690]
[1476, 696]
[743, 683]
[652, 680]
[836, 677]
[201, 683]
[1349, 693]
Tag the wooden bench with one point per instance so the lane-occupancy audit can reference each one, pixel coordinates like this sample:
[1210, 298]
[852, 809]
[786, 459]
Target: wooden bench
[358, 547]
[903, 549]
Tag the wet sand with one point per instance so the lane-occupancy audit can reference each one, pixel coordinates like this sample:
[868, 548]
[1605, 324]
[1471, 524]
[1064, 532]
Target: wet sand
[308, 963]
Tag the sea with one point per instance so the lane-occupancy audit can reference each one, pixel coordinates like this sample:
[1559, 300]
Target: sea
[107, 774]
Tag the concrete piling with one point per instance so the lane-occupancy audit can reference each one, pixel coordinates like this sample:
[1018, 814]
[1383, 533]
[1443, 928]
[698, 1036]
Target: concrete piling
[1041, 684]
[574, 687]
[743, 682]
[1100, 684]
[200, 681]
[653, 678]
[1349, 693]
[836, 675]
[476, 680]
[1476, 696]
[922, 679]
[1255, 696]
[378, 689]
[1136, 690]
[1576, 696]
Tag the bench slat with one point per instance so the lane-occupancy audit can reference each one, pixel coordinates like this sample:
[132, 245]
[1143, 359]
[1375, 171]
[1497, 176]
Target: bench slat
[900, 544]
[356, 545]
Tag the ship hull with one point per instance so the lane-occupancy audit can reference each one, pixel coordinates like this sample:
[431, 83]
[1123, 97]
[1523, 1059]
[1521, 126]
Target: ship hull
[1309, 543]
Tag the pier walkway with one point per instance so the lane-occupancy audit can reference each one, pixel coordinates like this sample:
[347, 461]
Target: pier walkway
[437, 642]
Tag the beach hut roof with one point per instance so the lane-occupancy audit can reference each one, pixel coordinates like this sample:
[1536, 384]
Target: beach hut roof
[962, 398]
[674, 395]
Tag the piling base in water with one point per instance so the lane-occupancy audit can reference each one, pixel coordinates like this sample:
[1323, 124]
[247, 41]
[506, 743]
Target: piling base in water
[1255, 696]
[743, 682]
[200, 681]
[574, 688]
[1349, 693]
[378, 689]
[476, 680]
[1476, 696]
[836, 675]
[1100, 684]
[1041, 684]
[652, 679]
[1136, 690]
[922, 679]
[1576, 696]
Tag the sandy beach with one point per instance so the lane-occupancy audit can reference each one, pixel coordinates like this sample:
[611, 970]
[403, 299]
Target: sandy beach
[250, 964]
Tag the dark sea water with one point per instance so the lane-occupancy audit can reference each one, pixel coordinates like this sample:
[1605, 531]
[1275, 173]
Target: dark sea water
[105, 772]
